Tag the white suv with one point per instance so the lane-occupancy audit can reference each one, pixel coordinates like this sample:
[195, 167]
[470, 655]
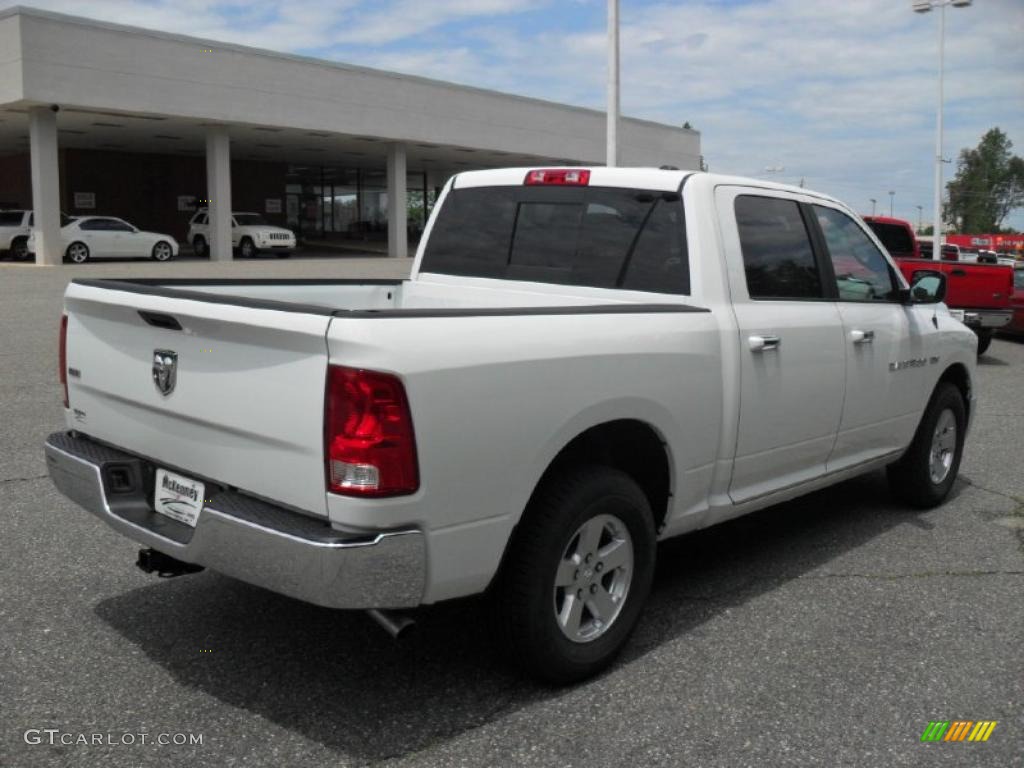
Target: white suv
[250, 234]
[15, 227]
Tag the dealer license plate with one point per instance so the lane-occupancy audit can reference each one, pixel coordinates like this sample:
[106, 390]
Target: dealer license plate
[178, 497]
[958, 314]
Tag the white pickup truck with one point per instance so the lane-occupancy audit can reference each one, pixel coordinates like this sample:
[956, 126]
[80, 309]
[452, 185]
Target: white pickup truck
[583, 362]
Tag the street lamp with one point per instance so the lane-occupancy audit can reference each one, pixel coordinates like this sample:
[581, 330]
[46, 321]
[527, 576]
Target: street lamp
[924, 6]
[873, 202]
[920, 212]
[892, 197]
[613, 85]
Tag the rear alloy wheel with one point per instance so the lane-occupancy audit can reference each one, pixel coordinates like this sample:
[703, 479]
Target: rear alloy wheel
[199, 246]
[19, 249]
[926, 473]
[162, 251]
[246, 248]
[576, 575]
[78, 253]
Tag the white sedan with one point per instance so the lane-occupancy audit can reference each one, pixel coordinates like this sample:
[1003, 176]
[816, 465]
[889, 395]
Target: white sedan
[105, 237]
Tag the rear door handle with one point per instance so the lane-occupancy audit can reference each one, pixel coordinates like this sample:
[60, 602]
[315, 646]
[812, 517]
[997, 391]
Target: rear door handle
[862, 337]
[959, 273]
[764, 343]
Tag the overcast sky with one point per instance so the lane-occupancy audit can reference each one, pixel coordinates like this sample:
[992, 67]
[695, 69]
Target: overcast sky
[841, 94]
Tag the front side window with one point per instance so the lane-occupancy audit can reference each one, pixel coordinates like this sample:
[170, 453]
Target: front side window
[777, 256]
[862, 273]
[116, 225]
[248, 219]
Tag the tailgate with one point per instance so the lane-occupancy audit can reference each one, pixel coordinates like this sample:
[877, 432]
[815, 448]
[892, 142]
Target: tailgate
[979, 286]
[246, 407]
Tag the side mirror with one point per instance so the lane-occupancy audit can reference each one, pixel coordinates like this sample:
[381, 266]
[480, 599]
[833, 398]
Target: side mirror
[927, 287]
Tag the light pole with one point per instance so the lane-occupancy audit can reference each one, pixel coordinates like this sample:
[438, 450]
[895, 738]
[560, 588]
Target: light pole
[920, 212]
[613, 84]
[892, 198]
[924, 6]
[873, 203]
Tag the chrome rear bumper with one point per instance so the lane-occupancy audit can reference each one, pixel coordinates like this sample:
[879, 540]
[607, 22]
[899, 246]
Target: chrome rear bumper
[243, 537]
[987, 318]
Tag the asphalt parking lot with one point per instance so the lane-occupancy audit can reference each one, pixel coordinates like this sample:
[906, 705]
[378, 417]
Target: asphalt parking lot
[825, 631]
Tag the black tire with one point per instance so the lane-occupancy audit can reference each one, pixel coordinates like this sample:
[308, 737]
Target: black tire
[984, 340]
[162, 251]
[19, 249]
[247, 248]
[77, 253]
[524, 596]
[199, 247]
[911, 479]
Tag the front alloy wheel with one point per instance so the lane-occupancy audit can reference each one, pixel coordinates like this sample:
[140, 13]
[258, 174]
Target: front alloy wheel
[162, 251]
[925, 474]
[943, 450]
[247, 249]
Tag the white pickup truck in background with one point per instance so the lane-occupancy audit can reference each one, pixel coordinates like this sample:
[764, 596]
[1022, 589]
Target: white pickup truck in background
[583, 362]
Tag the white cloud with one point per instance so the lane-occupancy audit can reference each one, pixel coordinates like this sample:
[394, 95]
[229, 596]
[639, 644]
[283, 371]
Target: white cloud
[842, 94]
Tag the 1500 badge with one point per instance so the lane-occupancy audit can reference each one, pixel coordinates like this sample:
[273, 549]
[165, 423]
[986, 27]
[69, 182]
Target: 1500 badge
[917, 362]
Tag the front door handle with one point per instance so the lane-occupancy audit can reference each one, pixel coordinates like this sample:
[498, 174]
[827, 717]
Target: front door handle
[959, 273]
[763, 343]
[862, 337]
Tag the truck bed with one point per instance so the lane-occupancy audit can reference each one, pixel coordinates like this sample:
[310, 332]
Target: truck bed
[251, 362]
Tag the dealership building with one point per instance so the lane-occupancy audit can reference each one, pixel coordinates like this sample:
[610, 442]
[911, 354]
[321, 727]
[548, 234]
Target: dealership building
[98, 118]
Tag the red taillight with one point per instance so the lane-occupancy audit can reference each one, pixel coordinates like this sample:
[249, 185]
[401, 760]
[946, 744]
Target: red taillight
[369, 445]
[62, 356]
[561, 177]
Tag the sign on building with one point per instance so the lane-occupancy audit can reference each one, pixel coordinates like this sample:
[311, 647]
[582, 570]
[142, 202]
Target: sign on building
[85, 200]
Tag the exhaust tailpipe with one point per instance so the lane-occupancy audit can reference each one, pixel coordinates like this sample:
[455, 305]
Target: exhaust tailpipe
[395, 624]
[164, 566]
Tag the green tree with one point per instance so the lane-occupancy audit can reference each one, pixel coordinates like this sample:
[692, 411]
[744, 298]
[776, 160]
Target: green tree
[989, 183]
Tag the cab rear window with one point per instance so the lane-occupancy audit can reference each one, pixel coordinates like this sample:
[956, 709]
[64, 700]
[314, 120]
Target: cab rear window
[895, 238]
[602, 237]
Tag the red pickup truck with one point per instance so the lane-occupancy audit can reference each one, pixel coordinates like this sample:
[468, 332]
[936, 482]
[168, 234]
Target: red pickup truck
[981, 292]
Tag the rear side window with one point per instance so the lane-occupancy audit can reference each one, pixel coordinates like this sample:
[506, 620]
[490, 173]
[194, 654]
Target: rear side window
[94, 225]
[10, 218]
[595, 236]
[777, 255]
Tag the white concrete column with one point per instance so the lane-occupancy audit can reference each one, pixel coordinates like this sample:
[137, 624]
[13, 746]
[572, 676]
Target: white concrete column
[218, 191]
[398, 232]
[42, 138]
